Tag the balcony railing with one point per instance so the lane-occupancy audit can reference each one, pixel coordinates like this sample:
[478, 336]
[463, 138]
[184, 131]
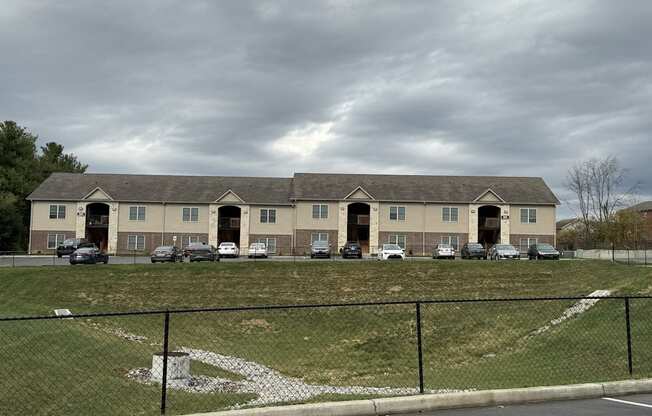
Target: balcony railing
[97, 221]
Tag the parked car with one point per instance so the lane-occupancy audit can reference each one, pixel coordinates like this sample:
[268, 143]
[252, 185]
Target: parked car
[165, 254]
[320, 249]
[542, 251]
[351, 249]
[391, 251]
[88, 255]
[257, 250]
[227, 249]
[443, 251]
[68, 246]
[201, 252]
[504, 251]
[473, 251]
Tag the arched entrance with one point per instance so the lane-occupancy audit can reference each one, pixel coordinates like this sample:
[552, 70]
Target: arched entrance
[97, 225]
[357, 224]
[488, 225]
[228, 219]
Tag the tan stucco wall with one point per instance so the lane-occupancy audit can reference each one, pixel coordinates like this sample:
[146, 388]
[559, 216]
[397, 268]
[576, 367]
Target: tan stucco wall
[416, 215]
[41, 216]
[413, 217]
[545, 224]
[283, 225]
[174, 219]
[153, 218]
[305, 221]
[434, 221]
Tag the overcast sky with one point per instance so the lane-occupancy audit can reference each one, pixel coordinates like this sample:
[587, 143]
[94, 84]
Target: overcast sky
[522, 88]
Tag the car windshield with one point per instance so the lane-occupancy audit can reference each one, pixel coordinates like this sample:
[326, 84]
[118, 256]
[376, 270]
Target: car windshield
[85, 250]
[227, 244]
[353, 245]
[320, 244]
[475, 246]
[445, 246]
[391, 247]
[545, 247]
[164, 248]
[257, 245]
[68, 242]
[504, 247]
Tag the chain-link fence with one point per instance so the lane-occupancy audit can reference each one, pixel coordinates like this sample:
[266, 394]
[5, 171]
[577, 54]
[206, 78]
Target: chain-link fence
[188, 361]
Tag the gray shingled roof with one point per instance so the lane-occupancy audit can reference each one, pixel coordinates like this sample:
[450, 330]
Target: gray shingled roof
[170, 188]
[461, 189]
[304, 186]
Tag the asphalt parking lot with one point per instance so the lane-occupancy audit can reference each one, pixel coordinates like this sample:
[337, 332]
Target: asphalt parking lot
[635, 405]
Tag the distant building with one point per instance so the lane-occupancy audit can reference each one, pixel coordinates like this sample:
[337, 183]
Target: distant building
[645, 211]
[121, 213]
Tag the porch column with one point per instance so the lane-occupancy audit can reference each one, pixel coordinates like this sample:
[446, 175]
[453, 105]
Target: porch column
[213, 224]
[341, 224]
[80, 220]
[244, 229]
[504, 224]
[114, 208]
[374, 226]
[473, 223]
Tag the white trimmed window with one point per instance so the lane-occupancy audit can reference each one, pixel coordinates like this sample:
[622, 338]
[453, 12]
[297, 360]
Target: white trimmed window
[54, 240]
[268, 216]
[320, 211]
[318, 237]
[135, 242]
[137, 213]
[398, 239]
[57, 212]
[397, 213]
[450, 214]
[190, 214]
[528, 215]
[192, 239]
[453, 240]
[270, 244]
[526, 243]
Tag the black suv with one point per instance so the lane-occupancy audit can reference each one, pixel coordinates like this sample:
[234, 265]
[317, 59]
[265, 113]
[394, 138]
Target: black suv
[70, 245]
[542, 251]
[473, 250]
[201, 252]
[351, 250]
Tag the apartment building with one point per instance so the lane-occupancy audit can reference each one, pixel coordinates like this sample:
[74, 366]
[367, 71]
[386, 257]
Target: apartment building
[126, 213]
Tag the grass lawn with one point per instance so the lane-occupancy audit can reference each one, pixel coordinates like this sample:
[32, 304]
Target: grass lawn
[78, 367]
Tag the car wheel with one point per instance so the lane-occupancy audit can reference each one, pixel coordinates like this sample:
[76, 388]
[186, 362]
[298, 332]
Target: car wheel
[106, 261]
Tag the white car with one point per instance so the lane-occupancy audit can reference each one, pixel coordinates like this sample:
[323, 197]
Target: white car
[228, 250]
[257, 250]
[443, 251]
[391, 251]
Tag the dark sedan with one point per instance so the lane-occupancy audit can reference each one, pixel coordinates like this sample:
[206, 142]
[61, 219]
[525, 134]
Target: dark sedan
[165, 254]
[542, 251]
[473, 251]
[88, 255]
[201, 252]
[351, 250]
[69, 246]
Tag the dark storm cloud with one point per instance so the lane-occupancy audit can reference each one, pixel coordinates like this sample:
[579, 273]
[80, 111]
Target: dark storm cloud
[267, 88]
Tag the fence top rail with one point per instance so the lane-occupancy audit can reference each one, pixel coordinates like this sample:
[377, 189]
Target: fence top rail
[312, 306]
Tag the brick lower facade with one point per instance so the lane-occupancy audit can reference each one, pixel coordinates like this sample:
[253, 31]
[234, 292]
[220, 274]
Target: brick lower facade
[515, 240]
[153, 240]
[420, 243]
[304, 239]
[283, 242]
[39, 240]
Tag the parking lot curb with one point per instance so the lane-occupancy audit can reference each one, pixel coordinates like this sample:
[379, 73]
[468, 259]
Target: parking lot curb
[428, 402]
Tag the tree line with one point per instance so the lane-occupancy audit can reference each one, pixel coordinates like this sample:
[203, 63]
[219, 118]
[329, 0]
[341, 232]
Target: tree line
[23, 166]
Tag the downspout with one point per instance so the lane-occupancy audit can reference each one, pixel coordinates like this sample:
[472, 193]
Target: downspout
[31, 224]
[163, 232]
[423, 232]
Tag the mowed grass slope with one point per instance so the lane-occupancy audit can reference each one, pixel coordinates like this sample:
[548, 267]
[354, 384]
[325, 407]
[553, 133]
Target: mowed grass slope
[466, 346]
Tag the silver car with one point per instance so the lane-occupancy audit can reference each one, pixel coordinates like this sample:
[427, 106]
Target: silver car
[504, 251]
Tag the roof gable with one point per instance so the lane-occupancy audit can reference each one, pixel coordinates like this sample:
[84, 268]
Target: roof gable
[229, 196]
[98, 194]
[359, 193]
[489, 196]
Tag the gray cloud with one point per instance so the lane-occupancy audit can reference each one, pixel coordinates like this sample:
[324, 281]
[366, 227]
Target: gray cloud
[267, 88]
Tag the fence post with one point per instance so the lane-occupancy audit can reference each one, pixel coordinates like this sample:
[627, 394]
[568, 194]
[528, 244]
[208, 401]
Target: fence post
[134, 256]
[419, 346]
[613, 253]
[629, 338]
[13, 259]
[164, 380]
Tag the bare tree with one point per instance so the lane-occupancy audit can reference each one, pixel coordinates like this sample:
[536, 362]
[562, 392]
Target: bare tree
[599, 186]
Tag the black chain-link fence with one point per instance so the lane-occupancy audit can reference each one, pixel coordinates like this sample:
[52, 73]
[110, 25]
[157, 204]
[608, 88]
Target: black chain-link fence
[188, 361]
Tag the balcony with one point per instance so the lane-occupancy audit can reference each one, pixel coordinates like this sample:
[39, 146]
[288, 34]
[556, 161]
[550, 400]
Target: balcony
[490, 223]
[97, 221]
[229, 223]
